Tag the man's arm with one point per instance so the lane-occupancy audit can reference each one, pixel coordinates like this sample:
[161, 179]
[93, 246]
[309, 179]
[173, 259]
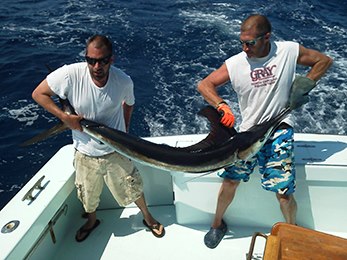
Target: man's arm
[43, 96]
[318, 62]
[128, 110]
[208, 86]
[208, 89]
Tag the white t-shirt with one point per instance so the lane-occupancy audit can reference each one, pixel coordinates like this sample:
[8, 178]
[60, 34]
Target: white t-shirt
[263, 84]
[102, 105]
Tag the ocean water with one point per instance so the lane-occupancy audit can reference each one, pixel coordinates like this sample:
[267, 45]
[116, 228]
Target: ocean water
[166, 47]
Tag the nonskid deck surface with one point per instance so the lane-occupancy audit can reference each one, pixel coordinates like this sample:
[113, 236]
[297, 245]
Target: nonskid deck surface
[121, 235]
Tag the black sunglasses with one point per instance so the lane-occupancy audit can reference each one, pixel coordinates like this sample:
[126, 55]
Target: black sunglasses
[101, 61]
[252, 42]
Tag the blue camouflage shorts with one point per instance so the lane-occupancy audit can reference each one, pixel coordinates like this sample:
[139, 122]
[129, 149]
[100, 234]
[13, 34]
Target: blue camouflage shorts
[276, 164]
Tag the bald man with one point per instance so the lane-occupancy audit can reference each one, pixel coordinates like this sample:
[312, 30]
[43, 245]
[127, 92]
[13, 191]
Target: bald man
[262, 76]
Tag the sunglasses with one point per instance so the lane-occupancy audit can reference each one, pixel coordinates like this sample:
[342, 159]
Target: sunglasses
[101, 61]
[253, 42]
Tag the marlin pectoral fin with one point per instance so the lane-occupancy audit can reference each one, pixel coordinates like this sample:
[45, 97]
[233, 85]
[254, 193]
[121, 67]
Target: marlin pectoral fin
[258, 131]
[251, 141]
[46, 134]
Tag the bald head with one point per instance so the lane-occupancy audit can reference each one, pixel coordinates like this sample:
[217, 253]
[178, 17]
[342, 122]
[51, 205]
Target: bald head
[100, 42]
[256, 22]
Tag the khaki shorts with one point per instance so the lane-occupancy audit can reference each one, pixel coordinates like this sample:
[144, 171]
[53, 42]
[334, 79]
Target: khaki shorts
[120, 175]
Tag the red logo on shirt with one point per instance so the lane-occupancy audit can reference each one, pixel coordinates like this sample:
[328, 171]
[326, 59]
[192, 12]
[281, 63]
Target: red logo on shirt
[263, 76]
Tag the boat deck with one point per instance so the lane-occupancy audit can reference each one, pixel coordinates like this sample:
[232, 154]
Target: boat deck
[121, 235]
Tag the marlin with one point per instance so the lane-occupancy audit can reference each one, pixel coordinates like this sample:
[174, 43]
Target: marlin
[221, 148]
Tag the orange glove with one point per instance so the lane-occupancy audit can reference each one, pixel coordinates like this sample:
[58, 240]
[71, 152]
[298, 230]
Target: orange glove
[228, 118]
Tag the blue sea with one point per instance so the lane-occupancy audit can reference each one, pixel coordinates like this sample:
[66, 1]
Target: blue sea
[166, 47]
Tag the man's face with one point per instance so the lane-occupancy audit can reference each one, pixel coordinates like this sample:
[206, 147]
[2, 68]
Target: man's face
[255, 44]
[99, 61]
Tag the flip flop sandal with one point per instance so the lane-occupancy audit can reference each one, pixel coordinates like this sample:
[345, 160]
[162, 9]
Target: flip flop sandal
[153, 227]
[85, 231]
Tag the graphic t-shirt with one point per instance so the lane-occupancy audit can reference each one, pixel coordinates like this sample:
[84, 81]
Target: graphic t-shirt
[263, 84]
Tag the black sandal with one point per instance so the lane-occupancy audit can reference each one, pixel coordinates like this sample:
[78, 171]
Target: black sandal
[153, 227]
[86, 231]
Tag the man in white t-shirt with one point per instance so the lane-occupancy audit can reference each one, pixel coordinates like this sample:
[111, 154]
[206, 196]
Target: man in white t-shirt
[262, 76]
[102, 93]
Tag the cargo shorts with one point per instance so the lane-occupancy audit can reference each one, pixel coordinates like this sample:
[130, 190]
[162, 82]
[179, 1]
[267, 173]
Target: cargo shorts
[276, 164]
[118, 172]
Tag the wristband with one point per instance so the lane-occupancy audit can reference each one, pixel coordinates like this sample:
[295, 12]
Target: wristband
[220, 103]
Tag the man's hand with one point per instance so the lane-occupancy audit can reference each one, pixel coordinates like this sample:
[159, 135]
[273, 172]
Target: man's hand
[299, 93]
[228, 118]
[73, 122]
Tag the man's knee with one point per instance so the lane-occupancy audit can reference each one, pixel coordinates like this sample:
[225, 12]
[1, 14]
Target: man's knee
[285, 199]
[230, 184]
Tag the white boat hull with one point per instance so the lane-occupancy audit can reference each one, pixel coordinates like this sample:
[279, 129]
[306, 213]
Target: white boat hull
[184, 203]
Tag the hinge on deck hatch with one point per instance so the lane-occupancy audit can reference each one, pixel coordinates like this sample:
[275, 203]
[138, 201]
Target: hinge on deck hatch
[62, 210]
[51, 223]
